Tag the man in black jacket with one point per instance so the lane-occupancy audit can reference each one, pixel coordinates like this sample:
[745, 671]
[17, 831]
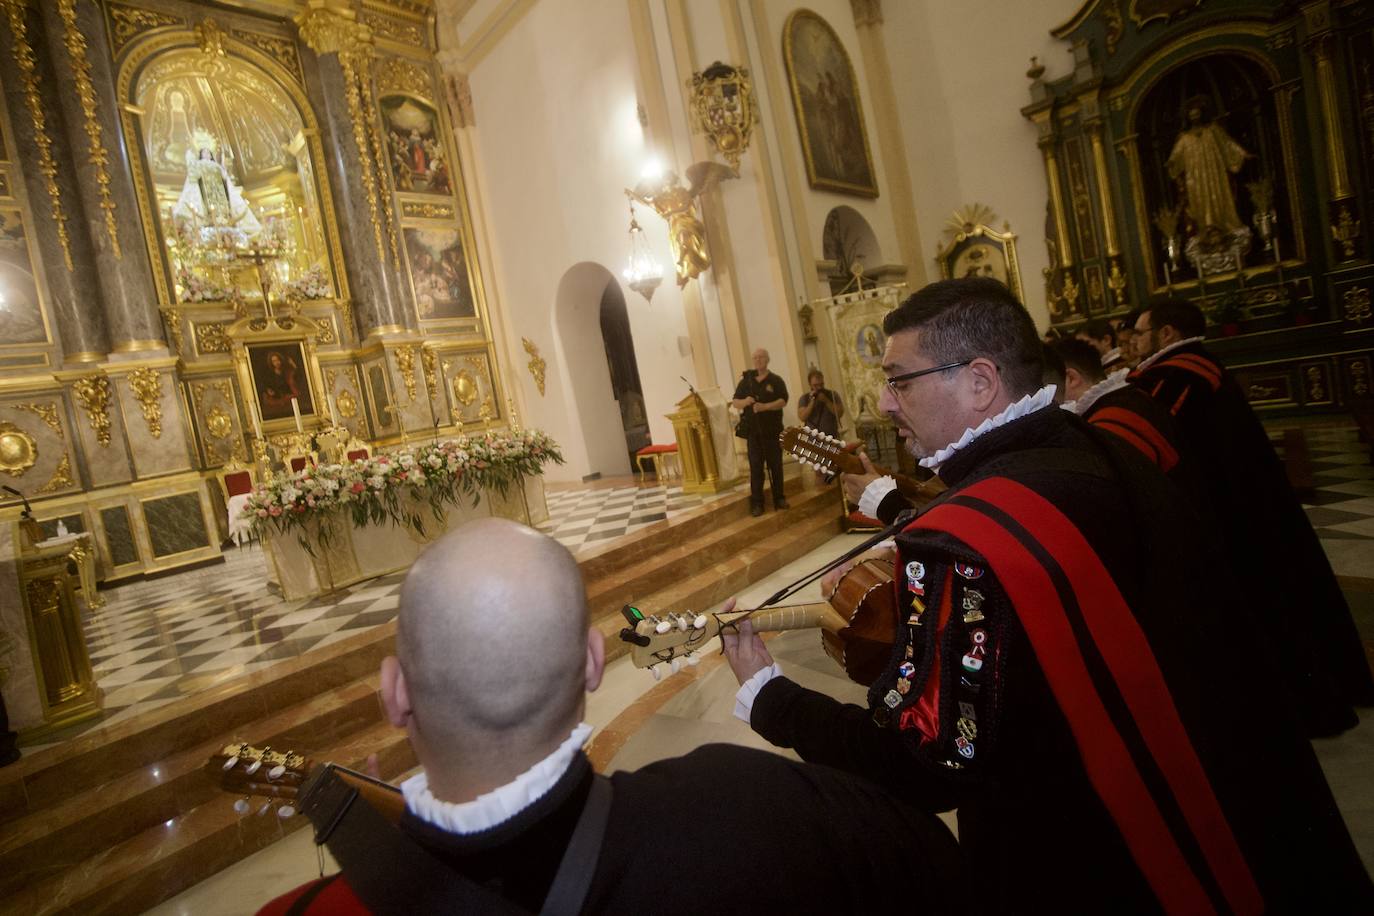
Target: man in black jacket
[1073, 671]
[760, 397]
[494, 660]
[1275, 553]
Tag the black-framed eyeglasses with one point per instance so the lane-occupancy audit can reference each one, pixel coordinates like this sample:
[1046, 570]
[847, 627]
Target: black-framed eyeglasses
[908, 376]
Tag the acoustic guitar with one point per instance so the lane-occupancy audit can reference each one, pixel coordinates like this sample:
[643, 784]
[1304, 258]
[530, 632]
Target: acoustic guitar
[829, 455]
[858, 627]
[290, 781]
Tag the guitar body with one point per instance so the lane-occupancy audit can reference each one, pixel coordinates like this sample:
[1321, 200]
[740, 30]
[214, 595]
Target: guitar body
[866, 598]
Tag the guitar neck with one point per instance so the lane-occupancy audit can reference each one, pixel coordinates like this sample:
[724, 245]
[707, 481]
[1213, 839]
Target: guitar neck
[792, 617]
[908, 486]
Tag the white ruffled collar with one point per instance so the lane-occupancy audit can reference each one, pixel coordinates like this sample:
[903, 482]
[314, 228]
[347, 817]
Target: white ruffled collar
[1028, 404]
[500, 804]
[1114, 382]
[1153, 358]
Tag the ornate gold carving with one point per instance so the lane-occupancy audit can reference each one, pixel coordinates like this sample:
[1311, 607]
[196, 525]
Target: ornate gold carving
[1116, 280]
[93, 394]
[405, 362]
[1357, 304]
[347, 403]
[1346, 231]
[460, 102]
[1069, 291]
[400, 32]
[172, 319]
[424, 210]
[1142, 13]
[722, 107]
[536, 365]
[146, 385]
[210, 338]
[127, 23]
[332, 31]
[464, 388]
[28, 72]
[279, 49]
[326, 327]
[1359, 377]
[18, 450]
[85, 91]
[61, 476]
[397, 74]
[380, 158]
[429, 361]
[1115, 25]
[218, 423]
[45, 412]
[1316, 383]
[210, 39]
[487, 412]
[366, 170]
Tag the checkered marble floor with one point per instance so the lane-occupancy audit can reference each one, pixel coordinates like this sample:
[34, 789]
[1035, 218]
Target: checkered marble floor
[159, 640]
[1341, 506]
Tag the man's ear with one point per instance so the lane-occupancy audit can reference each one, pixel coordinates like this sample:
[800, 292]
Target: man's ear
[596, 658]
[984, 382]
[1073, 380]
[1168, 335]
[395, 694]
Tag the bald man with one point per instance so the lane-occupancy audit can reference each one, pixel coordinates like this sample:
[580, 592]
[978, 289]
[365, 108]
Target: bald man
[494, 658]
[760, 397]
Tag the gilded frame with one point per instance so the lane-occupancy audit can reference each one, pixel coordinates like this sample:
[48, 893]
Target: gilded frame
[817, 181]
[288, 330]
[132, 60]
[963, 245]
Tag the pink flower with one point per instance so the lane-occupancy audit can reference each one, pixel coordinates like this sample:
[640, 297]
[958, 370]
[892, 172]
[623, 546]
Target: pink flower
[358, 487]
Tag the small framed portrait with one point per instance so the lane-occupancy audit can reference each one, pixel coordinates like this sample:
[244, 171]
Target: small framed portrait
[868, 345]
[280, 372]
[972, 248]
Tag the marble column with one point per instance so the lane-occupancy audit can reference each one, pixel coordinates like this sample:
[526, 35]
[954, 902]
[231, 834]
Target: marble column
[381, 298]
[58, 225]
[79, 49]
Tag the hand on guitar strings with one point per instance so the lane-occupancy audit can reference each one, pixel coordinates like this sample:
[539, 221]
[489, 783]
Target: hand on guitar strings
[744, 649]
[855, 484]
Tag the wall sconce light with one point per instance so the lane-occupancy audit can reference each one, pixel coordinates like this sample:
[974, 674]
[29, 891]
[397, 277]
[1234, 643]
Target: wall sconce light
[642, 272]
[723, 107]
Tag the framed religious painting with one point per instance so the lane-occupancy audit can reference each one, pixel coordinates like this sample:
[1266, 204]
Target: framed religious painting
[279, 377]
[439, 272]
[972, 248]
[279, 370]
[825, 99]
[419, 162]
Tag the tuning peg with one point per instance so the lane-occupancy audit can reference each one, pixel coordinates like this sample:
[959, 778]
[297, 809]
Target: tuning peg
[654, 670]
[267, 806]
[693, 659]
[277, 772]
[662, 625]
[241, 805]
[676, 665]
[683, 620]
[253, 767]
[231, 762]
[286, 811]
[700, 622]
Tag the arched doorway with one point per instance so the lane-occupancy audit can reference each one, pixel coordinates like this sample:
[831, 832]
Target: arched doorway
[594, 336]
[848, 243]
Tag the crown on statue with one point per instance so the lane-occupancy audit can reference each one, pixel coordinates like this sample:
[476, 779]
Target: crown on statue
[203, 139]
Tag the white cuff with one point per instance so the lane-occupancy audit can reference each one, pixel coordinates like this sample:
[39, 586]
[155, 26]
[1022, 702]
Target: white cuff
[873, 495]
[744, 697]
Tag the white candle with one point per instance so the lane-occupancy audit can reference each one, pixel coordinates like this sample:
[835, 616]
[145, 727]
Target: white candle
[257, 424]
[296, 409]
[333, 411]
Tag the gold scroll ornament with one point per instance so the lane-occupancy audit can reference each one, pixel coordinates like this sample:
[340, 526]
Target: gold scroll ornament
[536, 364]
[97, 155]
[146, 385]
[405, 362]
[93, 393]
[18, 450]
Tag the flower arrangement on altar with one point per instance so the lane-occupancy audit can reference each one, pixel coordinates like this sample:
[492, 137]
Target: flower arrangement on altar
[396, 486]
[313, 284]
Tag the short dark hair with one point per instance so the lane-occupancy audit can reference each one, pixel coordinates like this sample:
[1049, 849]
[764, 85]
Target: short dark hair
[1080, 355]
[814, 373]
[1179, 314]
[969, 317]
[1099, 328]
[1053, 373]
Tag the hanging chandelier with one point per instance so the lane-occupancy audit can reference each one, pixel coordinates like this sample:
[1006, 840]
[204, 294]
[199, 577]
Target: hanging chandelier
[642, 273]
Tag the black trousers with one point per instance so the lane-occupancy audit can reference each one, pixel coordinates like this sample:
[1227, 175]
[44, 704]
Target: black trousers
[764, 448]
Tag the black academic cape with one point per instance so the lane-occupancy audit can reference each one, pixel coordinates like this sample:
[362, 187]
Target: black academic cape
[1074, 674]
[1275, 553]
[1144, 424]
[724, 829]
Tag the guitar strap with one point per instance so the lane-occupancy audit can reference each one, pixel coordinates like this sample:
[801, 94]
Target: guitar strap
[393, 874]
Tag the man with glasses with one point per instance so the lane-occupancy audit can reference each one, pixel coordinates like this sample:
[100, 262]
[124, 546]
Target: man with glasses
[1083, 691]
[1274, 553]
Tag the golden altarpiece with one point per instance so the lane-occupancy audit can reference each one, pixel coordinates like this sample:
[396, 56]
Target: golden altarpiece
[1221, 151]
[225, 230]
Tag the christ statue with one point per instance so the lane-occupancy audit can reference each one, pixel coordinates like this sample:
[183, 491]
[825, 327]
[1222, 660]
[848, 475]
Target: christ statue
[1202, 162]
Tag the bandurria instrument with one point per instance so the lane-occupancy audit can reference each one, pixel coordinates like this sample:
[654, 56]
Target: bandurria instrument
[289, 780]
[829, 455]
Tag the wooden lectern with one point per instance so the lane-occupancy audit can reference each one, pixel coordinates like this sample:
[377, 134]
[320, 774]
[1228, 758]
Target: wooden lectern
[701, 424]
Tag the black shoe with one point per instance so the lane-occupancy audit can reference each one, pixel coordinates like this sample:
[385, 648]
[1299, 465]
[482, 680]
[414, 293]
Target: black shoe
[779, 504]
[756, 511]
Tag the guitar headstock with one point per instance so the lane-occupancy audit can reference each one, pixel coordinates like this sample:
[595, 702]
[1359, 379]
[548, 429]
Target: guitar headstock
[245, 770]
[823, 452]
[667, 640]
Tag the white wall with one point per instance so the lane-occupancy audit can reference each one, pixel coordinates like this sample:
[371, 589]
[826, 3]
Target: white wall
[959, 73]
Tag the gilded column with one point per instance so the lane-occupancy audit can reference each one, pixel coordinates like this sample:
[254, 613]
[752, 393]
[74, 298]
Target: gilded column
[1061, 226]
[79, 50]
[343, 54]
[58, 219]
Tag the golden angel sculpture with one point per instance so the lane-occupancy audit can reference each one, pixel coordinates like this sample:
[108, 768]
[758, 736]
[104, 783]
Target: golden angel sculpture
[209, 197]
[1202, 161]
[676, 204]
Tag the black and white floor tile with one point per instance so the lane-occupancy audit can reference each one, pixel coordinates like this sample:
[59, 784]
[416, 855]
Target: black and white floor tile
[580, 518]
[1341, 504]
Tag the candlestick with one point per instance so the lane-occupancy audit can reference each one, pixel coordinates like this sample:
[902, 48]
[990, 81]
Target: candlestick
[333, 410]
[1168, 279]
[257, 423]
[296, 409]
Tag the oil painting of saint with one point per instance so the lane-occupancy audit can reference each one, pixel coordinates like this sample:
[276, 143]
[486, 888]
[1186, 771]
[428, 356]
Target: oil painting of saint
[279, 374]
[418, 161]
[825, 98]
[439, 270]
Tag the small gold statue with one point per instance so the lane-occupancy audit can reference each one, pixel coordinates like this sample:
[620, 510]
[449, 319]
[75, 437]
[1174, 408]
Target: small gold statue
[676, 204]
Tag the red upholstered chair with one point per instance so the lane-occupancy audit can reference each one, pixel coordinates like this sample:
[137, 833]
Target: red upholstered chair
[658, 456]
[298, 462]
[236, 483]
[358, 454]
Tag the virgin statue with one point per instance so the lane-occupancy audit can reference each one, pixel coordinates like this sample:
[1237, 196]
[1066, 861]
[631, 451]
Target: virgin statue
[209, 197]
[1203, 160]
